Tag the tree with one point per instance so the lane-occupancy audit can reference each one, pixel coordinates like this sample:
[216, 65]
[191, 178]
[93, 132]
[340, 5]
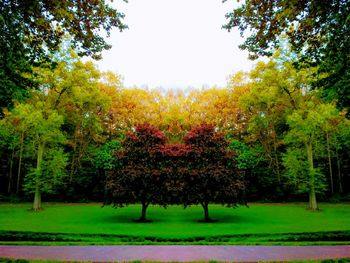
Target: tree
[105, 161]
[213, 176]
[80, 93]
[31, 30]
[139, 178]
[43, 132]
[175, 169]
[264, 97]
[317, 31]
[9, 138]
[306, 132]
[335, 131]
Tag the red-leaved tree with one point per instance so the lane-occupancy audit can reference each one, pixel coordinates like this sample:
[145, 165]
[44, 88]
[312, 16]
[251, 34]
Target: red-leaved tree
[174, 167]
[212, 176]
[138, 179]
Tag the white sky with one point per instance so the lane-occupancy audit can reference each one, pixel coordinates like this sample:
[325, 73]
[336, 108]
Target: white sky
[175, 44]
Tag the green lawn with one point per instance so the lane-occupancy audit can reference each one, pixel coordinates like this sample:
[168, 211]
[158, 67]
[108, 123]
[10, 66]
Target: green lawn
[277, 222]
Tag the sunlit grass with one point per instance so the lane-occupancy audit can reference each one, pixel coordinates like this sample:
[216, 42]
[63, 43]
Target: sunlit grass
[174, 221]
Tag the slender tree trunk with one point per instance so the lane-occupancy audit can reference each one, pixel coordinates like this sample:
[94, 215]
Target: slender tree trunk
[312, 191]
[277, 162]
[73, 166]
[206, 212]
[20, 163]
[37, 196]
[339, 172]
[10, 172]
[330, 164]
[143, 212]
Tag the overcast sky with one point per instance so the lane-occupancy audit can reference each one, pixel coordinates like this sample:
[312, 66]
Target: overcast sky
[175, 44]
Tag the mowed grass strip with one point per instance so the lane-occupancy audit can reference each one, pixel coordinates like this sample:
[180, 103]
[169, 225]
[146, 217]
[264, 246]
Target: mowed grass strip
[174, 222]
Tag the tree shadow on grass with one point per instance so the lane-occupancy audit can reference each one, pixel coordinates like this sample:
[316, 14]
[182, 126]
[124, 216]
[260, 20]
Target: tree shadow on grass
[217, 218]
[223, 219]
[133, 219]
[220, 219]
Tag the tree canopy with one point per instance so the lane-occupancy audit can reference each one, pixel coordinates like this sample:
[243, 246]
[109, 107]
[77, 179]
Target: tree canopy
[32, 30]
[138, 179]
[213, 176]
[316, 30]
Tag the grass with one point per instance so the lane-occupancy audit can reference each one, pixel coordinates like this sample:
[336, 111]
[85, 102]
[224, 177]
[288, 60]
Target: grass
[253, 225]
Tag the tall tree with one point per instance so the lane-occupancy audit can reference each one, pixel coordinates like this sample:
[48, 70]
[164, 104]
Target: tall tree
[45, 146]
[139, 178]
[213, 176]
[307, 126]
[80, 93]
[264, 97]
[175, 167]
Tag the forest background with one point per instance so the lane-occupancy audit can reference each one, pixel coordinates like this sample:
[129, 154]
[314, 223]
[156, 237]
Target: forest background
[286, 119]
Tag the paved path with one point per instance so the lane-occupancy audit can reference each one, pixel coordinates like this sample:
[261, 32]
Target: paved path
[174, 253]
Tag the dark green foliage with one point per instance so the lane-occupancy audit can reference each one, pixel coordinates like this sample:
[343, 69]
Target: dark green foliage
[10, 260]
[247, 157]
[15, 64]
[41, 24]
[331, 236]
[104, 156]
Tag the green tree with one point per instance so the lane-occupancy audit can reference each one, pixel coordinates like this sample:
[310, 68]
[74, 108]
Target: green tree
[105, 158]
[76, 90]
[306, 132]
[14, 132]
[275, 89]
[8, 146]
[246, 157]
[43, 131]
[335, 132]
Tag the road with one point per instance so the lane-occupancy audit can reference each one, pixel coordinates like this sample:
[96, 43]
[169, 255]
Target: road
[174, 253]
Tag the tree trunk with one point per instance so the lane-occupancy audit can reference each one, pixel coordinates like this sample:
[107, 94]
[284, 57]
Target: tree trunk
[330, 164]
[312, 192]
[10, 172]
[339, 172]
[20, 163]
[38, 172]
[206, 212]
[37, 199]
[312, 200]
[143, 212]
[276, 161]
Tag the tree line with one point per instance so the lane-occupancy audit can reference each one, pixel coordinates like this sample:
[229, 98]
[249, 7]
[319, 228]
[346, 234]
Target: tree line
[288, 141]
[62, 119]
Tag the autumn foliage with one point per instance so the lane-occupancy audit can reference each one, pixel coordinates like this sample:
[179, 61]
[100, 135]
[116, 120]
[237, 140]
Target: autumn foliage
[139, 178]
[213, 176]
